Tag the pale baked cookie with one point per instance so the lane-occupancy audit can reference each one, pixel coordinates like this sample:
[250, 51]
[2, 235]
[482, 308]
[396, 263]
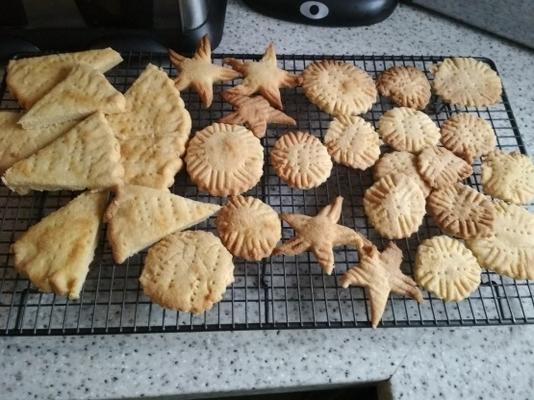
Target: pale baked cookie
[467, 136]
[353, 142]
[263, 77]
[406, 86]
[187, 271]
[380, 273]
[445, 267]
[395, 206]
[339, 88]
[510, 249]
[462, 212]
[248, 227]
[440, 168]
[301, 160]
[508, 176]
[400, 162]
[406, 129]
[320, 234]
[466, 82]
[198, 71]
[224, 160]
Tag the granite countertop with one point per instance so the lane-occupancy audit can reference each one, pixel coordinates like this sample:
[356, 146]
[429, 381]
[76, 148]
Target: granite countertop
[468, 363]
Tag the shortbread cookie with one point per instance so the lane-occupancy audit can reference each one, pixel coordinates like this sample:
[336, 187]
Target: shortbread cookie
[263, 77]
[320, 234]
[301, 160]
[395, 206]
[510, 250]
[339, 88]
[56, 252]
[199, 73]
[400, 162]
[466, 82]
[406, 86]
[445, 267]
[248, 227]
[467, 136]
[140, 216]
[353, 142]
[406, 129]
[187, 271]
[508, 176]
[255, 113]
[462, 212]
[381, 274]
[29, 79]
[440, 168]
[224, 160]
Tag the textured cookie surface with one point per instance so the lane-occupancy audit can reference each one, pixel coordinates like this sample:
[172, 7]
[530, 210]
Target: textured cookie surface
[406, 86]
[339, 88]
[440, 168]
[301, 160]
[510, 249]
[508, 176]
[406, 129]
[466, 82]
[353, 142]
[187, 271]
[445, 267]
[248, 227]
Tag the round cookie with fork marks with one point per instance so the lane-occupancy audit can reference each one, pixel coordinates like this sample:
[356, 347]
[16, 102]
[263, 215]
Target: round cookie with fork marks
[353, 142]
[187, 271]
[445, 267]
[406, 129]
[406, 86]
[248, 227]
[339, 88]
[224, 159]
[440, 168]
[395, 206]
[301, 160]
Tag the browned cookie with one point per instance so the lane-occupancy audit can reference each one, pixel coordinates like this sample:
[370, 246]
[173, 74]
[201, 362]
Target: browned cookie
[440, 168]
[406, 86]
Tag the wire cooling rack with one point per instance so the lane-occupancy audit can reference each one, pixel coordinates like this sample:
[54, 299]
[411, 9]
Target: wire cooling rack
[278, 292]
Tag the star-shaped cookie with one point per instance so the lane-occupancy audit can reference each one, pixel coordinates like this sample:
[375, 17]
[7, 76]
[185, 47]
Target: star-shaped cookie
[199, 72]
[255, 113]
[320, 234]
[380, 273]
[263, 77]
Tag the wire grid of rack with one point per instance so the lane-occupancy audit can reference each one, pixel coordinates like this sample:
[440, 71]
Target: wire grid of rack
[275, 293]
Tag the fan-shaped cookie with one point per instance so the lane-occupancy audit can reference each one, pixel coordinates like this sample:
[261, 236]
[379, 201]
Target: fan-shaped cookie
[339, 88]
[440, 168]
[187, 271]
[510, 249]
[467, 136]
[406, 86]
[508, 176]
[395, 206]
[462, 212]
[353, 142]
[301, 160]
[248, 227]
[445, 267]
[224, 160]
[406, 129]
[466, 82]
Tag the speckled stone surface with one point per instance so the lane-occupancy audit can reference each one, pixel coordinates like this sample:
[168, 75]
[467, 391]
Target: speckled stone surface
[468, 363]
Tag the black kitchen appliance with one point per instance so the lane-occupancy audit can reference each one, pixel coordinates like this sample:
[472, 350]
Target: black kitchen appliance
[151, 25]
[327, 12]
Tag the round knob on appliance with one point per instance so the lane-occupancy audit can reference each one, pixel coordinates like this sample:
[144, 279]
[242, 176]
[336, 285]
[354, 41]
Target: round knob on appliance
[314, 9]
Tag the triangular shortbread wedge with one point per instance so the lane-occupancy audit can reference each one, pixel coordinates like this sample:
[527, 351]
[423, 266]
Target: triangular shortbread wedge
[56, 252]
[81, 93]
[139, 216]
[17, 143]
[86, 157]
[29, 79]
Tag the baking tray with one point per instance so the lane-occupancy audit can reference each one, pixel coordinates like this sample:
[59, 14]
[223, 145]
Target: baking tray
[275, 293]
